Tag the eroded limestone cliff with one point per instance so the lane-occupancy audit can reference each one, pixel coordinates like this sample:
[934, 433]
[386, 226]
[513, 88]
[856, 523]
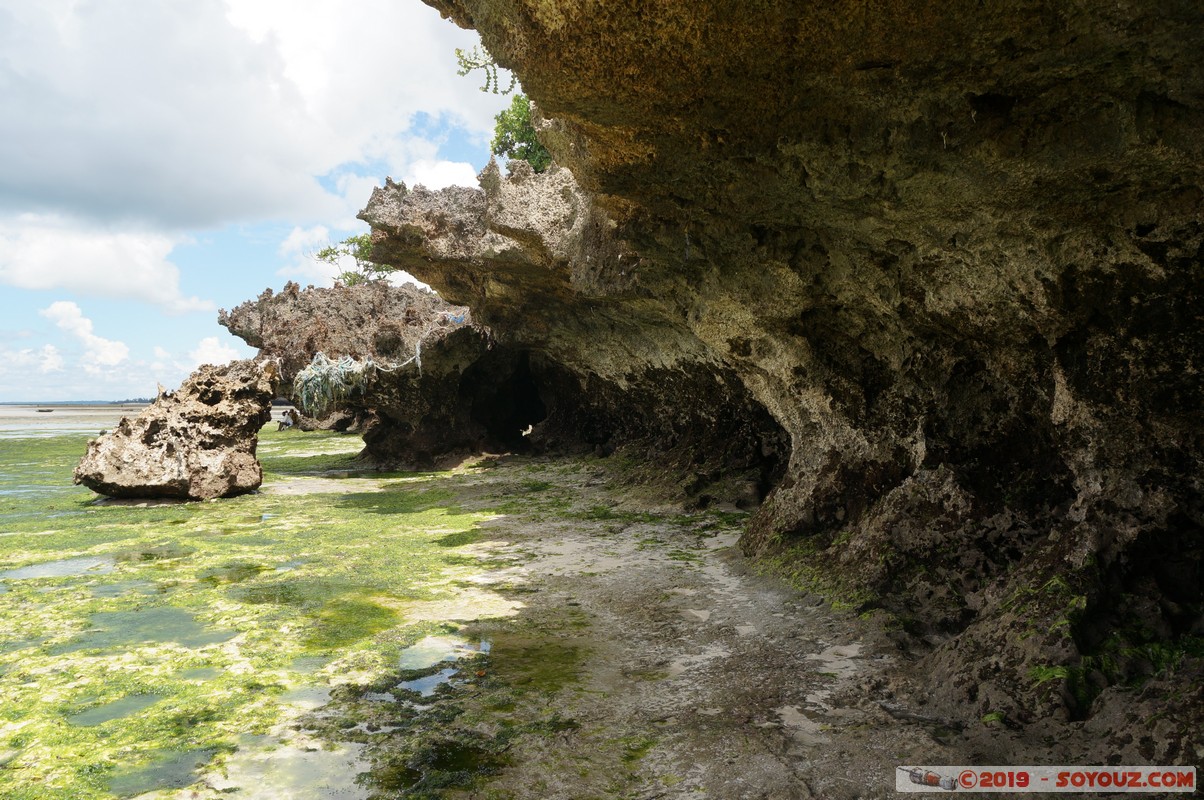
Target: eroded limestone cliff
[942, 261]
[611, 366]
[428, 382]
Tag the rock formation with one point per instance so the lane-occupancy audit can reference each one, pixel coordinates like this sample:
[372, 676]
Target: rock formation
[435, 383]
[941, 260]
[528, 252]
[195, 443]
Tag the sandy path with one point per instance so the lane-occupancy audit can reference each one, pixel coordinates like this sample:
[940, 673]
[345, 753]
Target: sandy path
[716, 682]
[625, 651]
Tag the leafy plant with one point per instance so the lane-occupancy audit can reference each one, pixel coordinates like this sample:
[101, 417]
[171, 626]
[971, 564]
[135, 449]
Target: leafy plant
[1043, 673]
[514, 135]
[359, 249]
[482, 60]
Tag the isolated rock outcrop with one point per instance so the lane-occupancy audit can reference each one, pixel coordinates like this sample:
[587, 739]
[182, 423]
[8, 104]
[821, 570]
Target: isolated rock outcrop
[954, 251]
[195, 443]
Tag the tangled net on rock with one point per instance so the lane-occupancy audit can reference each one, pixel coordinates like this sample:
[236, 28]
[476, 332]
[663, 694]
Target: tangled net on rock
[325, 383]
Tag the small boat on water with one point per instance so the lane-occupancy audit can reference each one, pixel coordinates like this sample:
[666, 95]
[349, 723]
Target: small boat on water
[45, 410]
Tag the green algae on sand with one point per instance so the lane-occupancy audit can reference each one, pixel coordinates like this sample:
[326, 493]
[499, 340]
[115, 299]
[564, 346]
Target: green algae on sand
[143, 642]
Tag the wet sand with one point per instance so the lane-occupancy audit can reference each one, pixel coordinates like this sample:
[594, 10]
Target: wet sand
[24, 421]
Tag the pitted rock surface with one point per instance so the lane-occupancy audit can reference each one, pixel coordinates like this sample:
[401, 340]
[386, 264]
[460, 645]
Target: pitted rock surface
[195, 443]
[374, 320]
[533, 254]
[440, 386]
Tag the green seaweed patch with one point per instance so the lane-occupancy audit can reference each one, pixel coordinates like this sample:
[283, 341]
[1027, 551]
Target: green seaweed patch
[348, 620]
[166, 551]
[992, 717]
[440, 764]
[232, 572]
[400, 498]
[459, 539]
[805, 567]
[471, 711]
[310, 588]
[636, 747]
[165, 769]
[544, 666]
[604, 513]
[214, 608]
[1129, 657]
[316, 464]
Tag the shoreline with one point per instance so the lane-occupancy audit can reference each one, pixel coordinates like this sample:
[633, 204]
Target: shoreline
[20, 420]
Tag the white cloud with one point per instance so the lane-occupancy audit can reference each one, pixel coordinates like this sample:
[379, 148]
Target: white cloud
[401, 277]
[46, 252]
[99, 352]
[310, 272]
[145, 110]
[356, 189]
[305, 240]
[134, 130]
[211, 351]
[50, 359]
[45, 360]
[299, 248]
[47, 373]
[130, 378]
[440, 174]
[368, 96]
[196, 113]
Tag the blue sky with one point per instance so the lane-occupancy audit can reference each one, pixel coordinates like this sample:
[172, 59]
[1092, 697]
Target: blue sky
[161, 159]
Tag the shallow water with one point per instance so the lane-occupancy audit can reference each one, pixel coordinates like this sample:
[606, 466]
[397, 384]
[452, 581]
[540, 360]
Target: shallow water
[307, 697]
[169, 769]
[125, 629]
[427, 686]
[61, 569]
[169, 648]
[270, 770]
[432, 650]
[114, 710]
[384, 636]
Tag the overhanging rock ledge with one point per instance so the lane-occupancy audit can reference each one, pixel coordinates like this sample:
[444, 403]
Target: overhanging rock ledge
[952, 250]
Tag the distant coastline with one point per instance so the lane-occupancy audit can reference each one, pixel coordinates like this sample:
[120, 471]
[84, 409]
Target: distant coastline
[67, 403]
[20, 420]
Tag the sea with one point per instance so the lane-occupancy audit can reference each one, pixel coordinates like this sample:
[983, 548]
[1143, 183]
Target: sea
[22, 421]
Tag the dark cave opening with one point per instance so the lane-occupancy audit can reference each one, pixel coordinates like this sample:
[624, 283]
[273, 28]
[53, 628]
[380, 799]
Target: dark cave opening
[504, 397]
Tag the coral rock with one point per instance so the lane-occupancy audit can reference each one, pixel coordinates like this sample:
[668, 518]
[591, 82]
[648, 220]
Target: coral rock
[427, 377]
[196, 443]
[954, 250]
